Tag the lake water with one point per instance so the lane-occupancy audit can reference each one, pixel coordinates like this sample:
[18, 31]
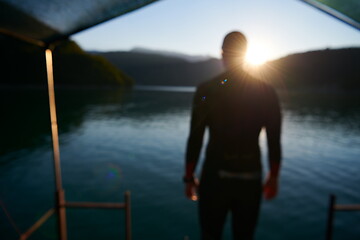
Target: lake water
[112, 141]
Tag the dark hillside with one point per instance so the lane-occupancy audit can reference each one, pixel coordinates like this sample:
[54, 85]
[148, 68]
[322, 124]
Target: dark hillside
[325, 69]
[24, 64]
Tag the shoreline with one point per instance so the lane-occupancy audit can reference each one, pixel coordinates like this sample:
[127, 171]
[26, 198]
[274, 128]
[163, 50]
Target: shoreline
[176, 88]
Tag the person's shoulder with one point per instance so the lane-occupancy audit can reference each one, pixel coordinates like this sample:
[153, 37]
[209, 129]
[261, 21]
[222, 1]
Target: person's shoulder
[268, 88]
[259, 89]
[260, 84]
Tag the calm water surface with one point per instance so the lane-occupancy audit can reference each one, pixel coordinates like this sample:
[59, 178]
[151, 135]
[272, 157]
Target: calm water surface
[112, 141]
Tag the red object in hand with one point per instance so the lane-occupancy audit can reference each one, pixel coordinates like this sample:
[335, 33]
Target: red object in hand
[270, 188]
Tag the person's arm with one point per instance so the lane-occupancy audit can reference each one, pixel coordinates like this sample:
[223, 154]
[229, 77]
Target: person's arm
[273, 133]
[194, 144]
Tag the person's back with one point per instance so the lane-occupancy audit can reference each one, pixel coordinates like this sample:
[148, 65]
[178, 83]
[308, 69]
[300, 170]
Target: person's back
[234, 107]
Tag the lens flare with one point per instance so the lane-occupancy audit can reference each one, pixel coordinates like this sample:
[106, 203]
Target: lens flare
[113, 171]
[223, 81]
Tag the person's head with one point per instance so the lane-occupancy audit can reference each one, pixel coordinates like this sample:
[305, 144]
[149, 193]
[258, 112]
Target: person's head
[234, 50]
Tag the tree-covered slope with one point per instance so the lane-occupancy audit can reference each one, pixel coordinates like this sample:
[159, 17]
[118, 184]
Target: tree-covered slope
[24, 64]
[150, 68]
[325, 69]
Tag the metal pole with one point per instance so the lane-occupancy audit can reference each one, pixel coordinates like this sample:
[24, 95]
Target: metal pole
[128, 215]
[329, 227]
[60, 196]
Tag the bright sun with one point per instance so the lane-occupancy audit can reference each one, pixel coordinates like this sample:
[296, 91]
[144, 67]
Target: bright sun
[256, 55]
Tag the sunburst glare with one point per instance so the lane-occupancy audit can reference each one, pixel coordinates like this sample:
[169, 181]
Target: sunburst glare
[257, 54]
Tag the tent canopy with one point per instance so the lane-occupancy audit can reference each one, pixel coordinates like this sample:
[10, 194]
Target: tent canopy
[47, 21]
[347, 11]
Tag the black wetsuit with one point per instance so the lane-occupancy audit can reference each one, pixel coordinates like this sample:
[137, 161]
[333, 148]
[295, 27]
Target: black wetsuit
[235, 107]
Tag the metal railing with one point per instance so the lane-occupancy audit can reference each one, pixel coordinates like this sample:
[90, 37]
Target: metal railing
[126, 205]
[331, 212]
[61, 204]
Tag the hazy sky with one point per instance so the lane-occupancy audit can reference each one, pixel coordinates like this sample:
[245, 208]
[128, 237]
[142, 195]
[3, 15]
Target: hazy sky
[197, 27]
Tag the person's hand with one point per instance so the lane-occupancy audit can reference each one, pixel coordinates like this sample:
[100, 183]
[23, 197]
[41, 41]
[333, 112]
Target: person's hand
[270, 187]
[191, 190]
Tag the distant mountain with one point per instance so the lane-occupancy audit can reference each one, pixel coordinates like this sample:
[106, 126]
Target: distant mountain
[24, 64]
[189, 58]
[330, 69]
[157, 68]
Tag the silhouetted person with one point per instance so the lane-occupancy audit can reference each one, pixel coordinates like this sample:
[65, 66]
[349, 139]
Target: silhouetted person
[234, 107]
